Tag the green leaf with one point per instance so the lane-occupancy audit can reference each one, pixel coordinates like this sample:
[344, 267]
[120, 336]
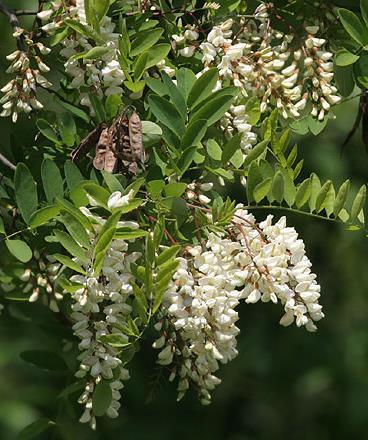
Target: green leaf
[73, 175]
[67, 128]
[2, 227]
[289, 188]
[131, 206]
[194, 133]
[43, 216]
[278, 187]
[35, 429]
[130, 235]
[254, 178]
[203, 87]
[175, 95]
[71, 245]
[168, 254]
[214, 150]
[102, 398]
[315, 189]
[150, 250]
[185, 80]
[75, 229]
[96, 53]
[330, 201]
[19, 249]
[104, 240]
[25, 191]
[175, 189]
[364, 11]
[353, 26]
[101, 195]
[303, 193]
[46, 129]
[98, 107]
[322, 195]
[72, 388]
[52, 180]
[85, 30]
[231, 147]
[68, 262]
[292, 156]
[358, 203]
[167, 114]
[345, 58]
[112, 182]
[253, 110]
[186, 159]
[113, 104]
[140, 65]
[256, 152]
[79, 113]
[215, 107]
[157, 86]
[262, 189]
[47, 360]
[145, 40]
[67, 206]
[155, 188]
[341, 197]
[157, 53]
[281, 145]
[124, 41]
[115, 340]
[270, 125]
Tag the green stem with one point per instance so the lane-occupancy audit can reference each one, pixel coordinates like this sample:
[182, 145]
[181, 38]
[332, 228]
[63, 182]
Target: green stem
[298, 211]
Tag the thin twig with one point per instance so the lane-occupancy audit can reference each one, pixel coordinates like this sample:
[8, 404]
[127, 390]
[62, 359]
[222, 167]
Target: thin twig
[14, 23]
[7, 162]
[20, 12]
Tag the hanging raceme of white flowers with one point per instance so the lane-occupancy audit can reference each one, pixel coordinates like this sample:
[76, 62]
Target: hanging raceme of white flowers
[133, 232]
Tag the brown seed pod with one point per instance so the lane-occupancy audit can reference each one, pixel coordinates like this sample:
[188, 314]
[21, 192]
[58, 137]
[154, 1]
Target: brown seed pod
[88, 143]
[118, 147]
[105, 158]
[136, 139]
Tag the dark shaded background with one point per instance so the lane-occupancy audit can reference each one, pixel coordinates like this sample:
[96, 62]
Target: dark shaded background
[285, 383]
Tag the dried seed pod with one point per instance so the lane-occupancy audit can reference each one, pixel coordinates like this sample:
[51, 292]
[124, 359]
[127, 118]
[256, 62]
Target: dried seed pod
[136, 139]
[105, 158]
[88, 143]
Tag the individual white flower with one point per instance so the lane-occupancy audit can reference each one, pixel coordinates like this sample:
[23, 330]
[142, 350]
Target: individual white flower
[117, 200]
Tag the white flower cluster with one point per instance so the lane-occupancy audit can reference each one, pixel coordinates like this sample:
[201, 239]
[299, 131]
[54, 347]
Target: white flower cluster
[20, 92]
[100, 309]
[200, 304]
[236, 120]
[256, 262]
[268, 64]
[186, 42]
[195, 192]
[262, 62]
[277, 269]
[39, 282]
[102, 76]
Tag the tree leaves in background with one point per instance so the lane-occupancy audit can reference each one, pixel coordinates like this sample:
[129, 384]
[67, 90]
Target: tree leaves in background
[353, 26]
[19, 249]
[167, 114]
[67, 128]
[203, 87]
[102, 397]
[25, 191]
[52, 180]
[35, 429]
